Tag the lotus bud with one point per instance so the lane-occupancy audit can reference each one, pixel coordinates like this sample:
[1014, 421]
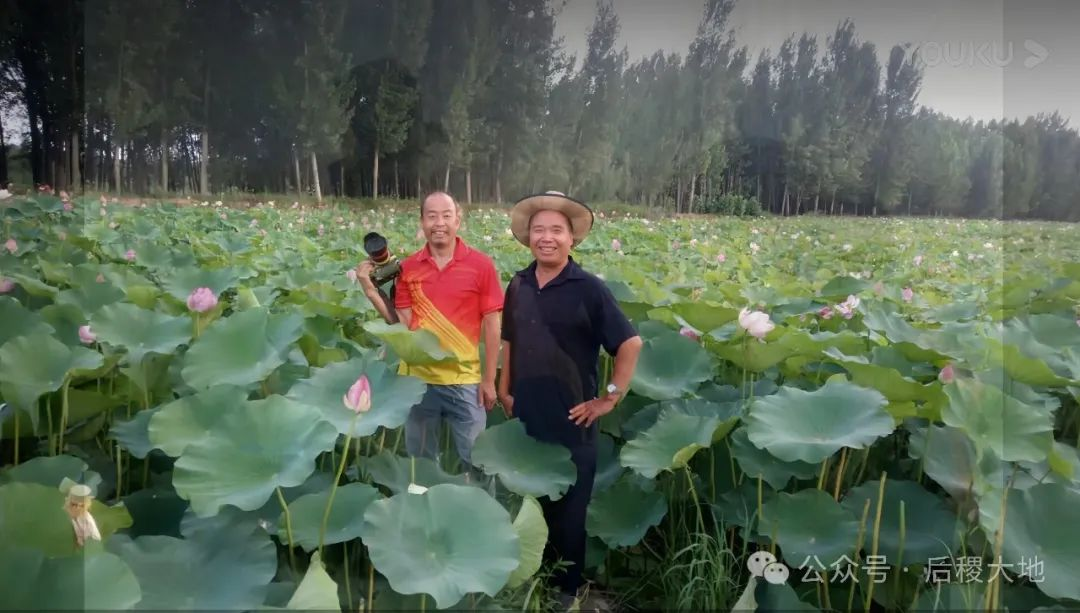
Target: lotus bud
[358, 398]
[947, 374]
[86, 335]
[690, 333]
[616, 245]
[6, 285]
[907, 294]
[77, 506]
[202, 300]
[11, 245]
[130, 255]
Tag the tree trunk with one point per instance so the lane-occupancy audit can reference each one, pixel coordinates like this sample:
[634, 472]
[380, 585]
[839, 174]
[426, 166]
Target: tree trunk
[76, 172]
[299, 178]
[341, 172]
[498, 176]
[116, 168]
[446, 180]
[678, 196]
[468, 184]
[909, 203]
[315, 177]
[3, 157]
[693, 190]
[164, 160]
[397, 180]
[204, 166]
[375, 173]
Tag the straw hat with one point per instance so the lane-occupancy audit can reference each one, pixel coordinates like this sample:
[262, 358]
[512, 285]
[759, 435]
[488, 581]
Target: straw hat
[580, 215]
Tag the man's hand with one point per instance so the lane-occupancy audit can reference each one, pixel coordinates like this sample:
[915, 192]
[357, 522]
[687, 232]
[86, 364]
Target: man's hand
[507, 401]
[486, 392]
[589, 411]
[363, 275]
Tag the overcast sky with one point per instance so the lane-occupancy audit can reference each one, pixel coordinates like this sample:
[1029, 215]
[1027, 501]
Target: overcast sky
[982, 55]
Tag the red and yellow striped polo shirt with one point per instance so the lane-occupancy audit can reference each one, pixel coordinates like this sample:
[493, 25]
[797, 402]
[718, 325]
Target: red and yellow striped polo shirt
[450, 303]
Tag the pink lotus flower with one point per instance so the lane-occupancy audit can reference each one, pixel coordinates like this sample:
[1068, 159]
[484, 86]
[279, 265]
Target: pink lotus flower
[616, 245]
[68, 207]
[826, 312]
[130, 255]
[907, 294]
[847, 307]
[6, 285]
[879, 288]
[351, 274]
[918, 260]
[756, 323]
[721, 258]
[358, 398]
[11, 245]
[690, 333]
[947, 375]
[202, 300]
[86, 336]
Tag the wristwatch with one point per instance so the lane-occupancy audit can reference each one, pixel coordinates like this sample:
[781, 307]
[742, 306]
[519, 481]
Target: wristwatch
[613, 391]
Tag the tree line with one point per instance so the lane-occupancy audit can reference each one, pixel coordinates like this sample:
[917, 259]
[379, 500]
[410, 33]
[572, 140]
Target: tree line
[398, 97]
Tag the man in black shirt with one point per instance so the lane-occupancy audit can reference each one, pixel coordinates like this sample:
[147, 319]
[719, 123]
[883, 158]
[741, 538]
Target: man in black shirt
[556, 317]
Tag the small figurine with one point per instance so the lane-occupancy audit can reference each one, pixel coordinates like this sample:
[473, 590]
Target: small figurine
[77, 505]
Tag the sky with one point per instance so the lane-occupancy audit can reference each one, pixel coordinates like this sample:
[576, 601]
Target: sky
[985, 59]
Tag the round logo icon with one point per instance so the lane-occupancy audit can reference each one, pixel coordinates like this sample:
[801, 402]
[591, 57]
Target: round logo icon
[764, 565]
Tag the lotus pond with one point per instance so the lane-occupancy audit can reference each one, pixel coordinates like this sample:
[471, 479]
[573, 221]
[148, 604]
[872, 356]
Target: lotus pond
[903, 437]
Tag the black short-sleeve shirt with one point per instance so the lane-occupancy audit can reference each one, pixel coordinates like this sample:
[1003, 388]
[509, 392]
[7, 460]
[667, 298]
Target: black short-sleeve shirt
[555, 335]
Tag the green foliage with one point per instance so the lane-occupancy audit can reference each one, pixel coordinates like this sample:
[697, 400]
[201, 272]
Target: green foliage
[729, 204]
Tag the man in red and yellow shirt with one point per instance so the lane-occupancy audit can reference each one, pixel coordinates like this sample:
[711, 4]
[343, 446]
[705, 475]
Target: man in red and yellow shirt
[453, 291]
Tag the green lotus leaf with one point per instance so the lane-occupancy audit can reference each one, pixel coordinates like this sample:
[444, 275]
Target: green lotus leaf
[182, 282]
[810, 426]
[65, 320]
[211, 572]
[893, 385]
[669, 444]
[703, 315]
[51, 471]
[809, 523]
[90, 298]
[782, 598]
[155, 511]
[134, 434]
[526, 466]
[447, 542]
[173, 426]
[1039, 531]
[843, 286]
[757, 462]
[947, 456]
[392, 395]
[532, 532]
[728, 412]
[608, 468]
[250, 451]
[90, 581]
[33, 516]
[34, 287]
[396, 472]
[930, 529]
[241, 349]
[670, 366]
[346, 518]
[317, 591]
[1014, 430]
[755, 355]
[140, 331]
[623, 513]
[37, 364]
[16, 320]
[414, 347]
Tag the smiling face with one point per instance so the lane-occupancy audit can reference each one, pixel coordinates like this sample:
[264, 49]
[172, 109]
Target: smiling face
[550, 238]
[439, 220]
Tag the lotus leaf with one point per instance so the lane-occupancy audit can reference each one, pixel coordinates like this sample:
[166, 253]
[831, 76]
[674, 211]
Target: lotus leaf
[526, 466]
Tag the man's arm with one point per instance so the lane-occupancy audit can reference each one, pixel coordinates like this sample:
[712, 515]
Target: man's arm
[490, 329]
[379, 299]
[504, 380]
[626, 359]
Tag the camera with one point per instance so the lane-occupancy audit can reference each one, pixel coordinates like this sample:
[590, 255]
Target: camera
[387, 267]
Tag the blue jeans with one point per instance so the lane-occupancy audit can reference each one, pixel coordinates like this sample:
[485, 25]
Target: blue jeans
[460, 406]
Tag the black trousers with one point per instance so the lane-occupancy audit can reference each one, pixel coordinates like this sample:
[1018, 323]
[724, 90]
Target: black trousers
[566, 520]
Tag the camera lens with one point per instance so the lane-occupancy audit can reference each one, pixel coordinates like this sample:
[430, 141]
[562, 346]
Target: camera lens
[375, 246]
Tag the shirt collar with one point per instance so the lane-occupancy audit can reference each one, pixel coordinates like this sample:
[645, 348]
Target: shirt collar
[461, 249]
[569, 272]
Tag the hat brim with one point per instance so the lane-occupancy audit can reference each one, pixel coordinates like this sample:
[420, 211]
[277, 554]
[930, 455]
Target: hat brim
[580, 215]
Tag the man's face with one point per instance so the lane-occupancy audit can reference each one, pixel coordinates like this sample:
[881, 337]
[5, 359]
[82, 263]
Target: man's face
[550, 237]
[440, 221]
